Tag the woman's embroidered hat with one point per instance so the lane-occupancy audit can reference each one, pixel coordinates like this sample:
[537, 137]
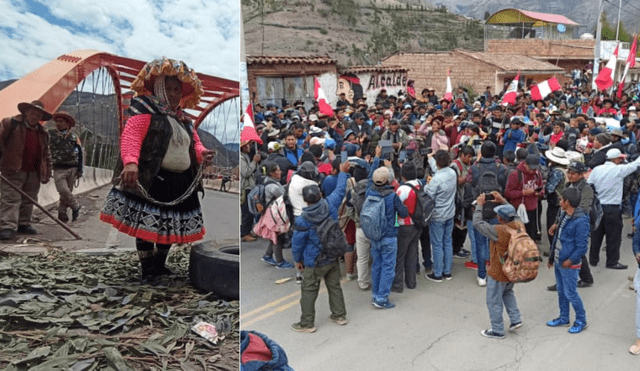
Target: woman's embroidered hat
[191, 84]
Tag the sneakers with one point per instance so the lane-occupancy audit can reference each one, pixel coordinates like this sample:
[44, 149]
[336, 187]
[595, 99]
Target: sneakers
[482, 282]
[515, 326]
[577, 327]
[284, 265]
[298, 327]
[462, 254]
[489, 333]
[27, 229]
[581, 283]
[383, 305]
[299, 280]
[448, 277]
[340, 320]
[268, 259]
[364, 287]
[558, 322]
[433, 277]
[552, 287]
[75, 214]
[351, 276]
[471, 265]
[6, 234]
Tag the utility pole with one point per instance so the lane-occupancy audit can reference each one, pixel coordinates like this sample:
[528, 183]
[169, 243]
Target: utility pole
[618, 28]
[596, 56]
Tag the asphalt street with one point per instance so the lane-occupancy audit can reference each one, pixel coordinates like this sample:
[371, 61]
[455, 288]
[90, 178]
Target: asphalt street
[437, 326]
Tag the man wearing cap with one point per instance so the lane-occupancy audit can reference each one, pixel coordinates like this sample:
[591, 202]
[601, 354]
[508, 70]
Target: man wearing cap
[608, 181]
[66, 152]
[500, 294]
[575, 179]
[585, 108]
[275, 155]
[616, 139]
[25, 163]
[525, 186]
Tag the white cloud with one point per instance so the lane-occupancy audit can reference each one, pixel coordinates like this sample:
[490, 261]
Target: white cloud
[204, 34]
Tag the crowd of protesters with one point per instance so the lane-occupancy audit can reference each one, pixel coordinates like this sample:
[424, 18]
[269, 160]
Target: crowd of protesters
[466, 153]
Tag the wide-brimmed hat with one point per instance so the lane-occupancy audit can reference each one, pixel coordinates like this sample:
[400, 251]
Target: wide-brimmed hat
[36, 104]
[618, 133]
[65, 116]
[557, 155]
[191, 84]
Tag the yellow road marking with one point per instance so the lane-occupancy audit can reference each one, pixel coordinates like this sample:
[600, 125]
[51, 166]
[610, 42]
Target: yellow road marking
[245, 320]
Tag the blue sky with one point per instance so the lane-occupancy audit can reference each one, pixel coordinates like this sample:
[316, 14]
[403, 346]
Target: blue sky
[203, 33]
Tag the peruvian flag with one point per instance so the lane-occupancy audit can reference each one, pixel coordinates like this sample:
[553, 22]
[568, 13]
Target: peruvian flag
[325, 107]
[540, 91]
[605, 77]
[512, 92]
[631, 62]
[448, 95]
[248, 131]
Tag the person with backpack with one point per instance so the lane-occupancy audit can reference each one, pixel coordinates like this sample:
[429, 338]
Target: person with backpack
[555, 184]
[500, 295]
[313, 248]
[363, 244]
[442, 188]
[408, 231]
[461, 166]
[378, 222]
[485, 176]
[272, 190]
[575, 179]
[569, 245]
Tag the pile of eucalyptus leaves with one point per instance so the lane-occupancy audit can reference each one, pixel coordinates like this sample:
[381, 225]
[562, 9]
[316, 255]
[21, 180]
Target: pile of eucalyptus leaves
[66, 311]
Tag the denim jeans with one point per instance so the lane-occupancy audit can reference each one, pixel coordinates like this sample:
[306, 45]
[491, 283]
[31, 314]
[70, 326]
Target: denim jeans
[441, 246]
[383, 269]
[500, 295]
[472, 240]
[636, 284]
[567, 285]
[482, 253]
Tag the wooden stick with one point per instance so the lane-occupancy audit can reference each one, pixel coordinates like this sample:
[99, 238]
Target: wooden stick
[66, 227]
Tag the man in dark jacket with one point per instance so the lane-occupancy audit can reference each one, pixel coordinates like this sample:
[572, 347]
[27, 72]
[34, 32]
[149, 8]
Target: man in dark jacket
[275, 155]
[305, 248]
[599, 156]
[26, 162]
[573, 236]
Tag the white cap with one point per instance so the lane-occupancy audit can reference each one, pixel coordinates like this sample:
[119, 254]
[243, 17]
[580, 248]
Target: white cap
[316, 140]
[313, 118]
[274, 146]
[614, 153]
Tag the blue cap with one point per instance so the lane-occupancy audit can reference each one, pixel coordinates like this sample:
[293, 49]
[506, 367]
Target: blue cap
[506, 211]
[330, 143]
[438, 106]
[347, 133]
[595, 131]
[351, 149]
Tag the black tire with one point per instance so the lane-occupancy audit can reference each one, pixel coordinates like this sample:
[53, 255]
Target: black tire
[216, 269]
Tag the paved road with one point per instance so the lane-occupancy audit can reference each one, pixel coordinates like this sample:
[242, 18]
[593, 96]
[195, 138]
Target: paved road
[221, 217]
[437, 326]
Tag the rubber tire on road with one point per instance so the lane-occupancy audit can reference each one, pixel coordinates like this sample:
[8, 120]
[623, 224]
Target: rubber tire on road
[216, 269]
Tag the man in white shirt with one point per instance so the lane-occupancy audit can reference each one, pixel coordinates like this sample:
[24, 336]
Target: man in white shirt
[608, 180]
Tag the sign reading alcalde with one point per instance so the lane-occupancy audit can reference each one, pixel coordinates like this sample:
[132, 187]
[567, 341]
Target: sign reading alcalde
[387, 80]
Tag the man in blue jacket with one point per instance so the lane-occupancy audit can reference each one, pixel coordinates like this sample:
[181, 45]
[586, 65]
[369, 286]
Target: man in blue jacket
[306, 246]
[384, 251]
[567, 250]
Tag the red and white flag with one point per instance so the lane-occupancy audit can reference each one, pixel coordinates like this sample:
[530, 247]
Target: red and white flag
[512, 92]
[248, 131]
[605, 78]
[448, 94]
[323, 104]
[540, 91]
[631, 62]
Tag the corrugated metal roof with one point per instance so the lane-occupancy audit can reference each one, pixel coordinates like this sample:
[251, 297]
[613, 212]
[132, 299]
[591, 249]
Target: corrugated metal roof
[511, 15]
[281, 59]
[363, 69]
[512, 62]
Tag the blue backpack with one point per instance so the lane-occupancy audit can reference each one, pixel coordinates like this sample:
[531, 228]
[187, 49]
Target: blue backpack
[373, 218]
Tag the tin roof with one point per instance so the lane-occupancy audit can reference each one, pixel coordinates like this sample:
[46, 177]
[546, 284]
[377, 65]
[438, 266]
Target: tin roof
[511, 15]
[514, 62]
[363, 69]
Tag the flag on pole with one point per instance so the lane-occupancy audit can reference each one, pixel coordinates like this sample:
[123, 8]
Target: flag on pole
[631, 62]
[512, 91]
[605, 78]
[540, 91]
[448, 95]
[325, 107]
[248, 131]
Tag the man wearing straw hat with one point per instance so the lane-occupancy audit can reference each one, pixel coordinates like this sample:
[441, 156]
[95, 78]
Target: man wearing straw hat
[66, 152]
[25, 163]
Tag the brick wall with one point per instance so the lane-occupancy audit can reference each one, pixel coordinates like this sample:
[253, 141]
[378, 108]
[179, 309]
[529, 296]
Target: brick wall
[430, 70]
[540, 48]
